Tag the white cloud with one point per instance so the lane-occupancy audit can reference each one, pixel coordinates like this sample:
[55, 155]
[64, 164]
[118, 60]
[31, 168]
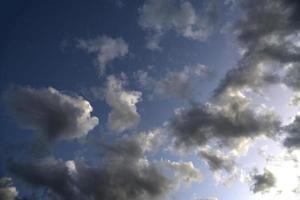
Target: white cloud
[124, 113]
[105, 48]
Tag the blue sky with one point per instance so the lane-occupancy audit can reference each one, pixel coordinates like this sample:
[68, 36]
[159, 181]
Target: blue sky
[152, 99]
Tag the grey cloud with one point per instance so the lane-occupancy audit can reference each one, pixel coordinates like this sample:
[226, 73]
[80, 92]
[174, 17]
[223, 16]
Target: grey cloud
[263, 182]
[160, 16]
[217, 161]
[292, 78]
[266, 42]
[51, 113]
[292, 139]
[105, 48]
[123, 102]
[174, 83]
[123, 173]
[228, 124]
[7, 190]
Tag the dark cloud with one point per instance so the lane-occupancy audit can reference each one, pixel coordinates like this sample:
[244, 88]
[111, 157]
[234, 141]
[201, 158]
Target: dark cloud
[50, 112]
[265, 41]
[218, 161]
[292, 139]
[123, 173]
[228, 123]
[292, 78]
[263, 182]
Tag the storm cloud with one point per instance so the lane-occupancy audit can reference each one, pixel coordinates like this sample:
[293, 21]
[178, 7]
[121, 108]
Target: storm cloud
[51, 113]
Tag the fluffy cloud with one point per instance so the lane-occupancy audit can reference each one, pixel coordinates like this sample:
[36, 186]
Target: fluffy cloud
[160, 16]
[51, 113]
[228, 123]
[185, 171]
[7, 191]
[123, 173]
[174, 83]
[267, 43]
[105, 48]
[263, 182]
[124, 113]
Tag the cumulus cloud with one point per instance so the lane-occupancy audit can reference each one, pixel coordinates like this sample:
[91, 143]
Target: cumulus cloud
[105, 48]
[51, 113]
[263, 182]
[228, 123]
[161, 16]
[174, 83]
[7, 190]
[266, 43]
[123, 102]
[185, 171]
[123, 173]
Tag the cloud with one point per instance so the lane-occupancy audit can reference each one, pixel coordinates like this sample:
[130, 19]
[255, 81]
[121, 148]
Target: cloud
[217, 161]
[161, 16]
[228, 123]
[174, 83]
[185, 171]
[267, 44]
[263, 182]
[105, 48]
[123, 173]
[292, 139]
[51, 113]
[124, 113]
[7, 190]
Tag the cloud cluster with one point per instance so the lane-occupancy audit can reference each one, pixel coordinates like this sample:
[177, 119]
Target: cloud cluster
[123, 173]
[161, 16]
[263, 182]
[174, 83]
[266, 43]
[124, 113]
[105, 48]
[51, 113]
[7, 190]
[228, 124]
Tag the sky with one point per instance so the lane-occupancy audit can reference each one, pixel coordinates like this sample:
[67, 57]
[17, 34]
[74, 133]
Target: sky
[150, 100]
